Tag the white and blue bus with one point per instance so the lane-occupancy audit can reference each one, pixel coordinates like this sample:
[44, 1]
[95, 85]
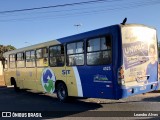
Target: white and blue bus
[112, 62]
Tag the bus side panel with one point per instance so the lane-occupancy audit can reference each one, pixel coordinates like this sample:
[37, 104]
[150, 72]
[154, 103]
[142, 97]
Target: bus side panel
[20, 77]
[29, 78]
[92, 86]
[88, 78]
[8, 74]
[72, 80]
[38, 80]
[20, 73]
[7, 77]
[57, 73]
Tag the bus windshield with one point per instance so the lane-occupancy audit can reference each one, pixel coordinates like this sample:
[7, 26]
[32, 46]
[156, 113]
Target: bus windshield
[140, 59]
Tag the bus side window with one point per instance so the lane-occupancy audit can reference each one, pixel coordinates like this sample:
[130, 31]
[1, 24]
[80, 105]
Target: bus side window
[20, 60]
[99, 51]
[42, 57]
[12, 59]
[75, 54]
[94, 45]
[6, 63]
[56, 56]
[39, 53]
[30, 58]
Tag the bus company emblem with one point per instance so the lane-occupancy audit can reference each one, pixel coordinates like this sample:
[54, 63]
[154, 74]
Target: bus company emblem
[48, 80]
[101, 78]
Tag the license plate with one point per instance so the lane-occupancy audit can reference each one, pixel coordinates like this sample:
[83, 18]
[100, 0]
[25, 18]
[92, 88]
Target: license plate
[143, 88]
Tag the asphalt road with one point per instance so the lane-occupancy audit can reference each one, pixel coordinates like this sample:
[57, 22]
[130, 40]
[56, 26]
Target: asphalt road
[34, 101]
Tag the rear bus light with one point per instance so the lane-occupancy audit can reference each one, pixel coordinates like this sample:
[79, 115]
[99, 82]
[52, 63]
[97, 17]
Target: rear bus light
[121, 75]
[131, 90]
[155, 84]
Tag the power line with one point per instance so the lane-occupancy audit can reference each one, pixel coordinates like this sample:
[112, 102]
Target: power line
[58, 11]
[55, 6]
[112, 8]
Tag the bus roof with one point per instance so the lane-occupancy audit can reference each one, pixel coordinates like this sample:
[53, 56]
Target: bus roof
[80, 36]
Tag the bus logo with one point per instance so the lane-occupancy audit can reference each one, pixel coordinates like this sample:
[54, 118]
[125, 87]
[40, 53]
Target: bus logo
[48, 80]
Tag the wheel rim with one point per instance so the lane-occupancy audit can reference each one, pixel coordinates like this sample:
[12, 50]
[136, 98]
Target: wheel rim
[61, 92]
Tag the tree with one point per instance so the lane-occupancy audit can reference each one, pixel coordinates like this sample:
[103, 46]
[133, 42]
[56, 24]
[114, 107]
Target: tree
[4, 49]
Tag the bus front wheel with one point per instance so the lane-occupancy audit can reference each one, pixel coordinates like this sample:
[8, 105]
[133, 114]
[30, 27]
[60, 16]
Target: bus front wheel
[62, 92]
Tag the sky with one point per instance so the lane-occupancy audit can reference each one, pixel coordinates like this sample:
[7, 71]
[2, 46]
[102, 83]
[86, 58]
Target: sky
[21, 29]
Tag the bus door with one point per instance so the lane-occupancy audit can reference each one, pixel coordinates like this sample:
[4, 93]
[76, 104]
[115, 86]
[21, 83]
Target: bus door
[20, 72]
[30, 72]
[6, 72]
[56, 60]
[11, 71]
[42, 64]
[75, 60]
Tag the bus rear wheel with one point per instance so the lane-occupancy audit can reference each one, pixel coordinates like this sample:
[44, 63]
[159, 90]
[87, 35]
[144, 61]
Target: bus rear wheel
[13, 82]
[16, 88]
[62, 92]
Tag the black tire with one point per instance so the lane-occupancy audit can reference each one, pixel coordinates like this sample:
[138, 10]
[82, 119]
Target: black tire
[15, 87]
[62, 92]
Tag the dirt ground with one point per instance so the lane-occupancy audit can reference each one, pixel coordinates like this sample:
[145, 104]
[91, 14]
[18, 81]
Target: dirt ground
[2, 83]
